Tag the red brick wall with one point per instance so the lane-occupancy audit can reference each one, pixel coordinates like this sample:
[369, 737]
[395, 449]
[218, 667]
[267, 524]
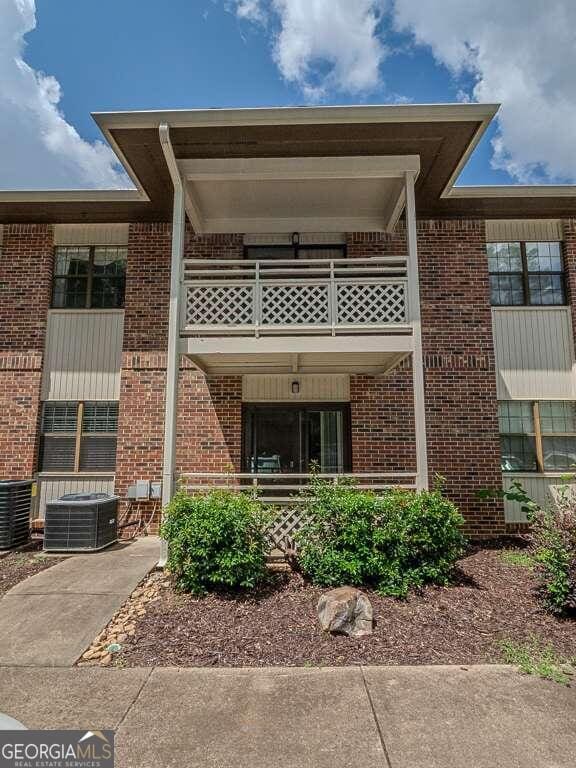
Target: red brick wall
[382, 422]
[25, 286]
[25, 290]
[570, 263]
[20, 381]
[460, 379]
[147, 287]
[209, 423]
[140, 418]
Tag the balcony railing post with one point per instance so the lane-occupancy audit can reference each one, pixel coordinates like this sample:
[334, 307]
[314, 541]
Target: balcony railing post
[257, 301]
[333, 299]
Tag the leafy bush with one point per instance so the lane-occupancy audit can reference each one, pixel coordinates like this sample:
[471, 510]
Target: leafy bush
[215, 541]
[554, 544]
[392, 542]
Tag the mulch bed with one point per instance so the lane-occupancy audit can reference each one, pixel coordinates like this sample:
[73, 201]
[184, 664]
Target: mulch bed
[490, 600]
[17, 566]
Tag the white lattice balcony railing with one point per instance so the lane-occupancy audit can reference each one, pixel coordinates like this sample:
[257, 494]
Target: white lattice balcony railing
[284, 493]
[303, 296]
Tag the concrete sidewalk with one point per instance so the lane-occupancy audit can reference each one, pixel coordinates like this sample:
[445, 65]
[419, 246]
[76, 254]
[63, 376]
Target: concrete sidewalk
[51, 618]
[388, 717]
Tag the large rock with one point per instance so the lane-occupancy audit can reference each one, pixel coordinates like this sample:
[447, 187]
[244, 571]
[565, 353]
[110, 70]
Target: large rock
[346, 611]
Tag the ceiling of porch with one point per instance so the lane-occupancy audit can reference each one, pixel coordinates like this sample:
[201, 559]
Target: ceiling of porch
[299, 194]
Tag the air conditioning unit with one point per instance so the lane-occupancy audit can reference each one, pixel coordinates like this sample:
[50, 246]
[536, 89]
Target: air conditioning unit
[15, 500]
[81, 522]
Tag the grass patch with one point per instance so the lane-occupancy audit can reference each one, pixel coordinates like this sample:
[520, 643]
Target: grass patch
[512, 557]
[535, 658]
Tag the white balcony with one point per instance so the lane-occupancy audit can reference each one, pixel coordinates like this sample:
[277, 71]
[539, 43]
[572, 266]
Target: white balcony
[288, 297]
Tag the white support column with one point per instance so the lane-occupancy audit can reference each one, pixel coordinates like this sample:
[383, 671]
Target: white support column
[417, 356]
[173, 358]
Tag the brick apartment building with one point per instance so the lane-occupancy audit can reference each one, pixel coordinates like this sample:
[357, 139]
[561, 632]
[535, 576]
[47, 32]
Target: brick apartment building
[288, 287]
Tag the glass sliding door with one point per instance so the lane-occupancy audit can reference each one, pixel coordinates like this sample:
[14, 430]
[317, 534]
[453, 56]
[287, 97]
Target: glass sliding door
[282, 439]
[325, 440]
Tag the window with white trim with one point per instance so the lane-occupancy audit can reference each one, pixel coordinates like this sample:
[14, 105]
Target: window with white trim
[79, 436]
[538, 436]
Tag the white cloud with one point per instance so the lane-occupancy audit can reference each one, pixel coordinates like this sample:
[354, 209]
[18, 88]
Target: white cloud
[522, 54]
[250, 10]
[38, 148]
[323, 45]
[519, 52]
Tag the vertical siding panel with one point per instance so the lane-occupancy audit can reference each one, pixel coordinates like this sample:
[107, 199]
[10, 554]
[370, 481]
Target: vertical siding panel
[277, 388]
[534, 353]
[50, 488]
[537, 487]
[83, 356]
[512, 230]
[91, 234]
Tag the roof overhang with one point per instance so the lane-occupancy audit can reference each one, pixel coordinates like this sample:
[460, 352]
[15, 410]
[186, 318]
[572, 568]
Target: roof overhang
[442, 135]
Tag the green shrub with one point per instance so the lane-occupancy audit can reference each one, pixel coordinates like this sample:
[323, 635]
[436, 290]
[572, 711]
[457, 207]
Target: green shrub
[554, 544]
[391, 542]
[215, 541]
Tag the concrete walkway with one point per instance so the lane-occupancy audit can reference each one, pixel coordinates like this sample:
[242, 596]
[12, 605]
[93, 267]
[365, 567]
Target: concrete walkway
[387, 717]
[51, 618]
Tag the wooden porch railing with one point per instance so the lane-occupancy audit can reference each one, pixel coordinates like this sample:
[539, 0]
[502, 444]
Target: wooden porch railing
[283, 491]
[250, 297]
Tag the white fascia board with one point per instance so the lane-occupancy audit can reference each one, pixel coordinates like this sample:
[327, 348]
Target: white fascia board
[394, 113]
[516, 190]
[295, 345]
[299, 168]
[72, 196]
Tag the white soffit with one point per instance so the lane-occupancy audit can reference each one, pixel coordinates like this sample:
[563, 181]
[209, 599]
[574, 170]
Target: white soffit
[374, 363]
[91, 234]
[529, 230]
[317, 194]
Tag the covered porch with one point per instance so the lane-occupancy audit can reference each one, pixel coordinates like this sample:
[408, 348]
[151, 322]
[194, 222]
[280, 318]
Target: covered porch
[296, 307]
[270, 434]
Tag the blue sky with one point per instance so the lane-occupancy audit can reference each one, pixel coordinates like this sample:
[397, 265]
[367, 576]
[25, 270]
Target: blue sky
[130, 54]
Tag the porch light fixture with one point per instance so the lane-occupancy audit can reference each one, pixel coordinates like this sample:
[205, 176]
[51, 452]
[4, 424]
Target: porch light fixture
[295, 387]
[295, 238]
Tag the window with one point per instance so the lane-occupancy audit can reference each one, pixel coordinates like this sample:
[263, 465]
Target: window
[526, 274]
[294, 251]
[89, 277]
[538, 436]
[79, 437]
